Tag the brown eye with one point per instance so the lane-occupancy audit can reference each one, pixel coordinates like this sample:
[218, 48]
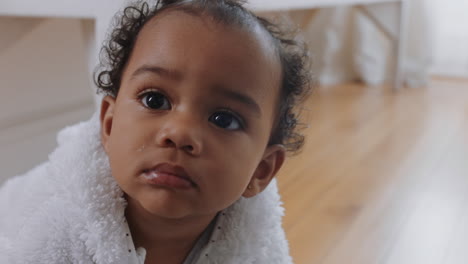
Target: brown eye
[155, 100]
[226, 120]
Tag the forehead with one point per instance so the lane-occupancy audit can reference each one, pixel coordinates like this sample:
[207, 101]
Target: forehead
[198, 46]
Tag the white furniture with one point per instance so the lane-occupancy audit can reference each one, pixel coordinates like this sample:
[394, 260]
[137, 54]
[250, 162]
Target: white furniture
[276, 5]
[391, 24]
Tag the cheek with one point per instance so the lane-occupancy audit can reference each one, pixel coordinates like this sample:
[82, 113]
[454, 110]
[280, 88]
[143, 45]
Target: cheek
[229, 180]
[128, 131]
[122, 142]
[236, 162]
[118, 153]
[125, 144]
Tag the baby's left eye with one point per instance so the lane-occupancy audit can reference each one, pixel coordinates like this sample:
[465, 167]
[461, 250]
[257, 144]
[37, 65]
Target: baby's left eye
[226, 120]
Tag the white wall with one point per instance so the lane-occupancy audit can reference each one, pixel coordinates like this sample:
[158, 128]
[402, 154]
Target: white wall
[449, 20]
[43, 85]
[100, 12]
[48, 50]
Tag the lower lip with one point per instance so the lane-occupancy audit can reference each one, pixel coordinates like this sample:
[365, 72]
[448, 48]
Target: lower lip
[162, 179]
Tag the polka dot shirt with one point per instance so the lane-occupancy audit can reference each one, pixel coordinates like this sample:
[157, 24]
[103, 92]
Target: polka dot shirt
[208, 237]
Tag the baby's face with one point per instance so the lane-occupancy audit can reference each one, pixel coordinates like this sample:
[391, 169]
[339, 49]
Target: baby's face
[189, 128]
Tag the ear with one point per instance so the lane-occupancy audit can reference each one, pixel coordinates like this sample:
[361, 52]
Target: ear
[266, 170]
[106, 117]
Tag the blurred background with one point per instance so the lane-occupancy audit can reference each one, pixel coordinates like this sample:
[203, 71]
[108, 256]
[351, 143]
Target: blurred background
[383, 175]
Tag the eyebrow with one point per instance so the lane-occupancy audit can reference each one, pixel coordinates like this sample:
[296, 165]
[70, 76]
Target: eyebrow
[239, 97]
[175, 75]
[167, 73]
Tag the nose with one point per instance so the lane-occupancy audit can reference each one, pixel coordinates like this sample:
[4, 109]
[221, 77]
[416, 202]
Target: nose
[179, 131]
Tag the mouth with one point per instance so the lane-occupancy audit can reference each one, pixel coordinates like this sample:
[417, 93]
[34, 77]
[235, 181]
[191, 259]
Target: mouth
[169, 176]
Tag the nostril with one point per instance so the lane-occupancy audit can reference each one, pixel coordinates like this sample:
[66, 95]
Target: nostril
[168, 142]
[189, 148]
[178, 141]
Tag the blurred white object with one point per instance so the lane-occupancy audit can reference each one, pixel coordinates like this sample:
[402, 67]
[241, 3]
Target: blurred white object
[47, 52]
[365, 43]
[44, 87]
[449, 21]
[348, 47]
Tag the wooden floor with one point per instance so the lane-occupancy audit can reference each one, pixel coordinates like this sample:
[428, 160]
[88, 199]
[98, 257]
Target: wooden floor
[383, 177]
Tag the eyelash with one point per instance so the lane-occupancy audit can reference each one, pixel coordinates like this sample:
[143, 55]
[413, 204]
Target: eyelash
[144, 91]
[242, 124]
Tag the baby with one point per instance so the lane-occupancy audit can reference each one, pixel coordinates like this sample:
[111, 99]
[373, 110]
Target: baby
[198, 115]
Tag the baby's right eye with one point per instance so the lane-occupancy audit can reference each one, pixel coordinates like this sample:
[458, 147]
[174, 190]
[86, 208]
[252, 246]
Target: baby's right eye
[155, 100]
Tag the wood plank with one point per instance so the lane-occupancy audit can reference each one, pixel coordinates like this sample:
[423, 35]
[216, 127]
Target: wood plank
[382, 178]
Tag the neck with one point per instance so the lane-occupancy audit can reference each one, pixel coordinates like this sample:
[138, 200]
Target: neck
[161, 237]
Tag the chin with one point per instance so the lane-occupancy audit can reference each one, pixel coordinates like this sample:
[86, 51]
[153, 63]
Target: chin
[167, 213]
[165, 206]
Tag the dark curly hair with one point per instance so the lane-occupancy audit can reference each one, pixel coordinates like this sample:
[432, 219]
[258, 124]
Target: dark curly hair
[293, 55]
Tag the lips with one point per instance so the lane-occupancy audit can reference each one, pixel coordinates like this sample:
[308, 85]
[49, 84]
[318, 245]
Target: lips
[168, 175]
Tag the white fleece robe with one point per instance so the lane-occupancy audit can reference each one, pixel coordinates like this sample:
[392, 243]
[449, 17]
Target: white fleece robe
[70, 210]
